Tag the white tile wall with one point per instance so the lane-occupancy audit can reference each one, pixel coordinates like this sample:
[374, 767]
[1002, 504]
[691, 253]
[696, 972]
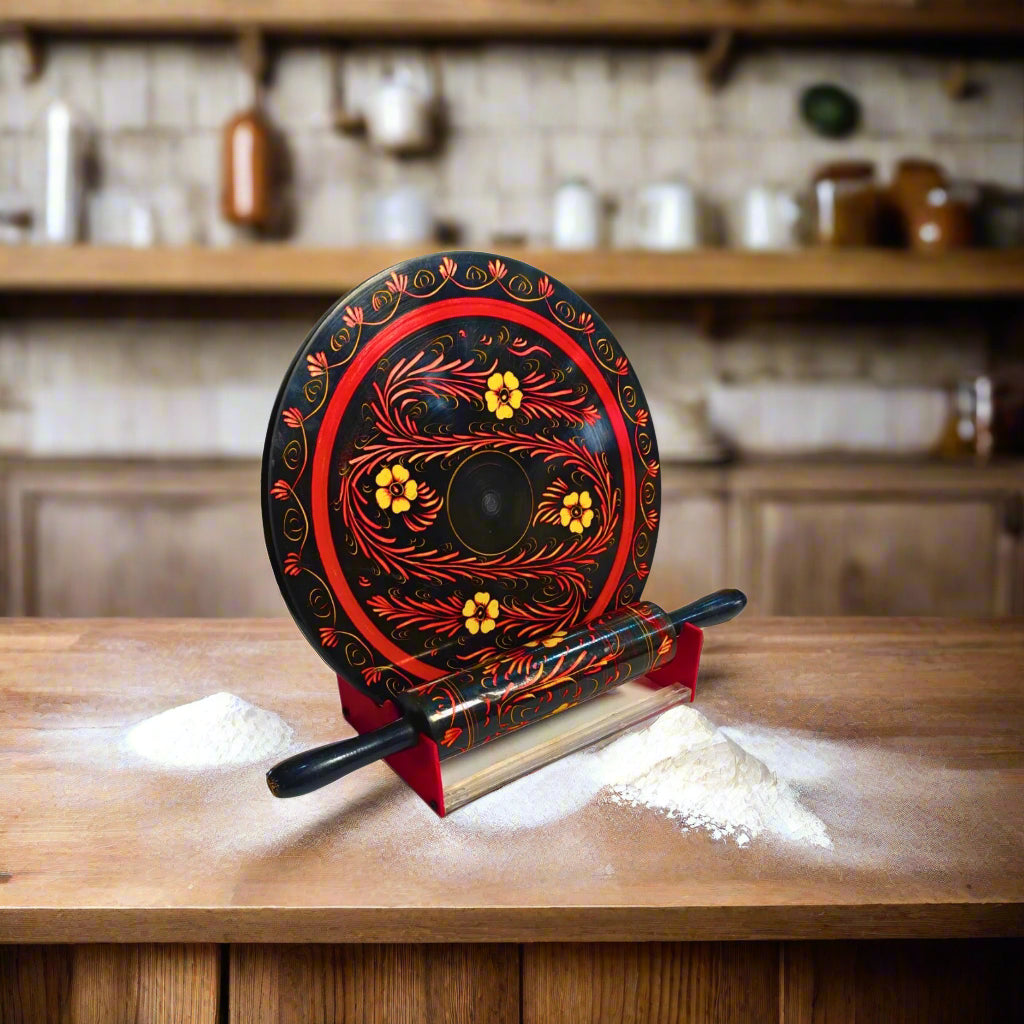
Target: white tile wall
[524, 117]
[521, 119]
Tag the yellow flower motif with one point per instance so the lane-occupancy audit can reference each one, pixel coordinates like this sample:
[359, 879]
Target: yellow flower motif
[503, 394]
[480, 613]
[394, 489]
[552, 641]
[576, 512]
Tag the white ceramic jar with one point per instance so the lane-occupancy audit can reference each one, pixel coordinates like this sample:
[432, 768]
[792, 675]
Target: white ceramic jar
[667, 217]
[401, 216]
[576, 216]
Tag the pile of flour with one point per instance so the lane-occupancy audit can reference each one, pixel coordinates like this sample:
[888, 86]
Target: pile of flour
[685, 768]
[219, 731]
[680, 766]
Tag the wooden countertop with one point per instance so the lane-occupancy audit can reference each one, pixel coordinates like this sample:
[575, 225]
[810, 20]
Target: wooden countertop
[906, 737]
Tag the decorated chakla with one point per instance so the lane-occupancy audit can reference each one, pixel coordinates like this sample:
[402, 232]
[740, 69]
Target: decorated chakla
[461, 494]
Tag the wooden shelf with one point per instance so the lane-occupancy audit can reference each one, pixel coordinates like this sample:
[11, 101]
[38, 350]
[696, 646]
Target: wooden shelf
[273, 269]
[491, 18]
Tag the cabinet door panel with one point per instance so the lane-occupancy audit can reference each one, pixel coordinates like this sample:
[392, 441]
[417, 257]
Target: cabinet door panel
[95, 540]
[875, 557]
[689, 559]
[374, 984]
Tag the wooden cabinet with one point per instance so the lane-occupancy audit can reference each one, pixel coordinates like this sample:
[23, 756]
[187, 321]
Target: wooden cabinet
[117, 538]
[98, 538]
[539, 983]
[884, 540]
[878, 557]
[171, 983]
[690, 558]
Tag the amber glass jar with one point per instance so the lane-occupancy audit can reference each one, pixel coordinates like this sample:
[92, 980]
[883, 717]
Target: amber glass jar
[846, 201]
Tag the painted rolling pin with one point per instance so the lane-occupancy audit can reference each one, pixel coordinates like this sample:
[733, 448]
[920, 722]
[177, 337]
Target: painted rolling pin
[526, 685]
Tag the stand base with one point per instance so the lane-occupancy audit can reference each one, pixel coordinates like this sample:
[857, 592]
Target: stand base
[446, 785]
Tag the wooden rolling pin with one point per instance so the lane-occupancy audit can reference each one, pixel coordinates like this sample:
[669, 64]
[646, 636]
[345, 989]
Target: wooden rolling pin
[526, 685]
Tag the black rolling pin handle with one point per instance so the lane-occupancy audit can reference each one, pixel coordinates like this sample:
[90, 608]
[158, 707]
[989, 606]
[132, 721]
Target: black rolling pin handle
[721, 606]
[313, 769]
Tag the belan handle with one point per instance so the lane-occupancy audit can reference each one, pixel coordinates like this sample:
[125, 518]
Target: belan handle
[716, 608]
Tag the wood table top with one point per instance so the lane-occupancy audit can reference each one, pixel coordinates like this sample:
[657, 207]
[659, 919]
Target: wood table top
[904, 736]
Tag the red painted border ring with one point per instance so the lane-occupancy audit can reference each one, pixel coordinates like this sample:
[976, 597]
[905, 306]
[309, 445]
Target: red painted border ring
[358, 343]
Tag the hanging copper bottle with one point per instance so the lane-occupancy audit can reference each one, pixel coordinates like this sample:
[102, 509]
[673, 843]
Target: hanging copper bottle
[246, 194]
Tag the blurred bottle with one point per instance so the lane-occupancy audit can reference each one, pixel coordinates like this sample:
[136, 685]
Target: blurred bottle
[246, 194]
[958, 438]
[970, 430]
[66, 140]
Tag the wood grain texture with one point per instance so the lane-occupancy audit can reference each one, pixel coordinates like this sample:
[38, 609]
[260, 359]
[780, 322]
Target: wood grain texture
[951, 982]
[118, 537]
[924, 717]
[361, 984]
[183, 537]
[590, 18]
[690, 556]
[651, 983]
[271, 268]
[876, 557]
[874, 538]
[109, 984]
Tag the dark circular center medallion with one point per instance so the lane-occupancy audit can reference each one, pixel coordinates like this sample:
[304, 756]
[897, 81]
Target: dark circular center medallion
[490, 502]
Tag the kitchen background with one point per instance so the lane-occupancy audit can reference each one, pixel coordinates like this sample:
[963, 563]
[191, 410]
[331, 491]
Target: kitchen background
[838, 438]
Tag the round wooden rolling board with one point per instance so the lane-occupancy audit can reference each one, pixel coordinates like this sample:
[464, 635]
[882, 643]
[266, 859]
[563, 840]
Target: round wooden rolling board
[460, 460]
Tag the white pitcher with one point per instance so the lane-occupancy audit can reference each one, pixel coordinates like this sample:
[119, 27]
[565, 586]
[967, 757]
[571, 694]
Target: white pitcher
[771, 218]
[400, 114]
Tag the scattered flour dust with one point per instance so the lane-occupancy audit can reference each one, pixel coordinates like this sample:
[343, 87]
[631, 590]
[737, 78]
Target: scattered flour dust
[218, 731]
[685, 768]
[680, 766]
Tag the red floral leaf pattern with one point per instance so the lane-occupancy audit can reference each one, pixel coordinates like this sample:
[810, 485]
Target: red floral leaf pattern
[281, 490]
[443, 617]
[292, 417]
[316, 364]
[549, 506]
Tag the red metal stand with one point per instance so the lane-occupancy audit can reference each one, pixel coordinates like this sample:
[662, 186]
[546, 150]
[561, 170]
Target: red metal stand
[420, 766]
